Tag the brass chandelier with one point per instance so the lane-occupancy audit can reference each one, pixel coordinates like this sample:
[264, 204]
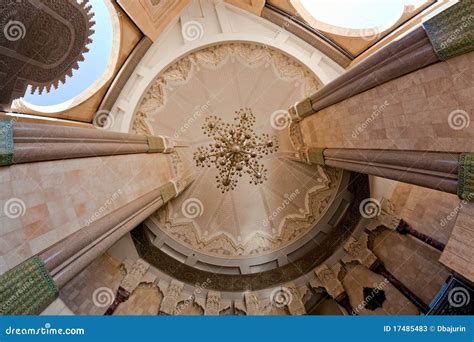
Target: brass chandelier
[236, 150]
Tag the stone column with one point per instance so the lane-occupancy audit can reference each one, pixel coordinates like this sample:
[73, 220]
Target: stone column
[22, 142]
[365, 257]
[334, 287]
[40, 277]
[441, 37]
[448, 172]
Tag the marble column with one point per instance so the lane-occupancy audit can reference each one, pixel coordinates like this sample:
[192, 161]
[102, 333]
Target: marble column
[365, 257]
[22, 142]
[334, 287]
[448, 172]
[439, 39]
[43, 275]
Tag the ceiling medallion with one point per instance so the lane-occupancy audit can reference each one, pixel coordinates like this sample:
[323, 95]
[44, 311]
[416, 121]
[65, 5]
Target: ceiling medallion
[236, 150]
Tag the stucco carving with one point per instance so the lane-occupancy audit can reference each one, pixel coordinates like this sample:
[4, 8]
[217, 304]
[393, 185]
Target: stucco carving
[213, 57]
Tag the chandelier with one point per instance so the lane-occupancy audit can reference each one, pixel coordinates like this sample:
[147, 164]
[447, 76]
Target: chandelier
[236, 150]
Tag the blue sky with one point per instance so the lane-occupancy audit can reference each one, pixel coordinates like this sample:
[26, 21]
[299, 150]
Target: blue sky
[91, 69]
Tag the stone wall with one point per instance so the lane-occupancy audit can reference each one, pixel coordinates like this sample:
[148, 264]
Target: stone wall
[42, 203]
[409, 113]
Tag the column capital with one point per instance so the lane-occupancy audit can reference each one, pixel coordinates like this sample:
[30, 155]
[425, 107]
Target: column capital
[362, 254]
[6, 141]
[387, 216]
[212, 303]
[27, 289]
[466, 177]
[312, 155]
[329, 280]
[160, 144]
[301, 109]
[451, 31]
[171, 299]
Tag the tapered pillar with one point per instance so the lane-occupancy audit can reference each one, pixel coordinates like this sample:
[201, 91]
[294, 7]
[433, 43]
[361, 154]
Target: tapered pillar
[22, 142]
[448, 172]
[365, 257]
[40, 277]
[444, 36]
[405, 228]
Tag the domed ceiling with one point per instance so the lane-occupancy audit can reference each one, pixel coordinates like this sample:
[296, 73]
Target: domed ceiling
[251, 220]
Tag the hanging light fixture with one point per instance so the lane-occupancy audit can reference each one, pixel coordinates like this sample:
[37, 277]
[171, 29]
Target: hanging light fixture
[236, 150]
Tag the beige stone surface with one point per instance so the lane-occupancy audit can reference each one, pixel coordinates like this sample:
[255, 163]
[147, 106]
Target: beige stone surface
[459, 252]
[430, 212]
[409, 113]
[412, 262]
[359, 277]
[42, 203]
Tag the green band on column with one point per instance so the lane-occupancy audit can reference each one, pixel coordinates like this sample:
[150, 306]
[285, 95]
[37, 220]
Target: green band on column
[316, 156]
[304, 108]
[452, 31]
[6, 141]
[27, 289]
[155, 144]
[168, 191]
[466, 177]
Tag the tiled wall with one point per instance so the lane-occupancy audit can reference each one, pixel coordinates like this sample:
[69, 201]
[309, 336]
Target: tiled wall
[42, 203]
[411, 112]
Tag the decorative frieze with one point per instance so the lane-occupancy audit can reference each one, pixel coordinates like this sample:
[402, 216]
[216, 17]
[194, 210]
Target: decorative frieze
[212, 303]
[451, 32]
[466, 177]
[172, 297]
[27, 289]
[360, 252]
[6, 141]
